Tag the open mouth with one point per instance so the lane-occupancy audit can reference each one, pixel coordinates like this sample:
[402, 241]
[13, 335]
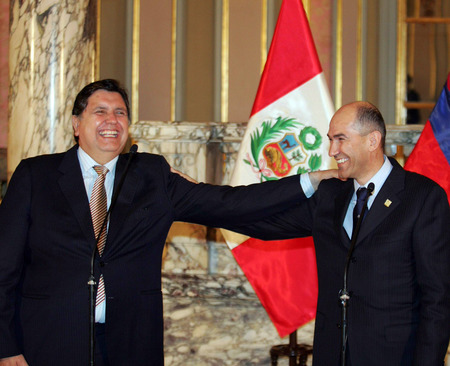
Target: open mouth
[108, 133]
[341, 161]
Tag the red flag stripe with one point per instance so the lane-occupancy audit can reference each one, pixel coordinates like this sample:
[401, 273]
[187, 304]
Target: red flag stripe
[288, 65]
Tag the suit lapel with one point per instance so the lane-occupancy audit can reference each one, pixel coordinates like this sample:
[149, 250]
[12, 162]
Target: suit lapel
[385, 202]
[72, 186]
[341, 203]
[124, 200]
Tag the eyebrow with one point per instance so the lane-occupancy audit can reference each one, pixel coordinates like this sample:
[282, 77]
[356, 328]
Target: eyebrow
[102, 107]
[338, 135]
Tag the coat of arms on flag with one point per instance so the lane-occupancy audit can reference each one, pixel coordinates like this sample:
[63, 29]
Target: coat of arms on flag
[282, 147]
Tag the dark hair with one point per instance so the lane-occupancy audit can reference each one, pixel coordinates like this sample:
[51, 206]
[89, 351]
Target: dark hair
[370, 119]
[110, 85]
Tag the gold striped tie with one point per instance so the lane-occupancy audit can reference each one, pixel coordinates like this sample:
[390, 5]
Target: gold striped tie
[98, 205]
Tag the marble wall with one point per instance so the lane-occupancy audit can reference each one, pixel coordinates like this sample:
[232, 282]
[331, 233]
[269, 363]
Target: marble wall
[4, 77]
[51, 57]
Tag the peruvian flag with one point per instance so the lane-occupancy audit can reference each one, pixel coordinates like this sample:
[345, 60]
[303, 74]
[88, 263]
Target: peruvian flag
[431, 155]
[286, 134]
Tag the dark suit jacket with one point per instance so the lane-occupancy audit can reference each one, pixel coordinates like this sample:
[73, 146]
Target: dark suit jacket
[46, 241]
[399, 276]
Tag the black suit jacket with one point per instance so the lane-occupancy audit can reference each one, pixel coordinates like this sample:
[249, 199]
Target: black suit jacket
[399, 276]
[46, 241]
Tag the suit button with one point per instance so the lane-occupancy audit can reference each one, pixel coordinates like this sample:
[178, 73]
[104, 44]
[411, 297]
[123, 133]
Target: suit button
[102, 264]
[353, 260]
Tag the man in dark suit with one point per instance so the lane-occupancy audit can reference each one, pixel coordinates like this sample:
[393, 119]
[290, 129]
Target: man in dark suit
[399, 272]
[47, 240]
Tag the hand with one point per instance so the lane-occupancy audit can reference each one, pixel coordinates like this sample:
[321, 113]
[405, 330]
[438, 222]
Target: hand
[13, 361]
[318, 176]
[185, 176]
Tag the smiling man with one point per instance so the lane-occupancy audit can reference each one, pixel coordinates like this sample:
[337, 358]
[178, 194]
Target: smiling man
[357, 134]
[50, 223]
[399, 273]
[101, 128]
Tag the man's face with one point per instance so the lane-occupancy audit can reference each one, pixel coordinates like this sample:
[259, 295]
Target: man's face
[102, 128]
[348, 147]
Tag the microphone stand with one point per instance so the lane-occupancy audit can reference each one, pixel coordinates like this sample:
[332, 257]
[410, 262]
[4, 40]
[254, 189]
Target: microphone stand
[344, 294]
[91, 281]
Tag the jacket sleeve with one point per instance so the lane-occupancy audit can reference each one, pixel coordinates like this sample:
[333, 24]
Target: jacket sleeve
[431, 245]
[226, 206]
[14, 224]
[268, 211]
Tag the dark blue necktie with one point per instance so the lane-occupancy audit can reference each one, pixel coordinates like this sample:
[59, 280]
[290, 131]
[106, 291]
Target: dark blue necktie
[361, 195]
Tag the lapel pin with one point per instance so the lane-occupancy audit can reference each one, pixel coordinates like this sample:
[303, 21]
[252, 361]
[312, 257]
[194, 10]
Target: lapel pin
[387, 203]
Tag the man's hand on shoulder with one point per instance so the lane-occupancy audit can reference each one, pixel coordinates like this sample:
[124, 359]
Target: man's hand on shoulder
[13, 361]
[185, 176]
[318, 176]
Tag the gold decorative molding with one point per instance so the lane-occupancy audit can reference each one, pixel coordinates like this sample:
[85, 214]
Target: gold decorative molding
[225, 60]
[338, 77]
[400, 82]
[173, 70]
[427, 20]
[359, 52]
[307, 7]
[96, 64]
[263, 34]
[135, 62]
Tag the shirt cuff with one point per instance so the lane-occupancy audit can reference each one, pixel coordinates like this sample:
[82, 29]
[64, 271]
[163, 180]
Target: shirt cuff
[307, 187]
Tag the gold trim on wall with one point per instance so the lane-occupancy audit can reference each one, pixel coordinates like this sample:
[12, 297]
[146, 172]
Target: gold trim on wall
[173, 70]
[338, 77]
[135, 63]
[96, 65]
[425, 20]
[359, 52]
[263, 34]
[307, 7]
[400, 82]
[225, 61]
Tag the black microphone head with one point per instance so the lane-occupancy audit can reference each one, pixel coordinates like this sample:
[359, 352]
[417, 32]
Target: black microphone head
[133, 149]
[370, 188]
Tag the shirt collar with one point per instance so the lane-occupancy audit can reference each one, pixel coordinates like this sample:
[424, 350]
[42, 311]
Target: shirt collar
[86, 163]
[378, 179]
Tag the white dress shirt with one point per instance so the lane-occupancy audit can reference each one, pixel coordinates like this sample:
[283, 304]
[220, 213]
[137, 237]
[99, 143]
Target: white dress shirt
[378, 180]
[89, 176]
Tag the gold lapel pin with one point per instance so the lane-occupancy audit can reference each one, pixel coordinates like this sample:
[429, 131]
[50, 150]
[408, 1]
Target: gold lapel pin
[387, 203]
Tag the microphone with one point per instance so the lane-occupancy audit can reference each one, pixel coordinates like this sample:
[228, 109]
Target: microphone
[370, 187]
[91, 281]
[344, 295]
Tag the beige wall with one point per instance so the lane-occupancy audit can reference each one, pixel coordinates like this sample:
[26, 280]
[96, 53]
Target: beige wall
[155, 60]
[198, 79]
[245, 57]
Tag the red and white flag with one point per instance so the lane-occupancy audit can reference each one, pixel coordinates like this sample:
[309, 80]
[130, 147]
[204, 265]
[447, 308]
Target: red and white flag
[286, 135]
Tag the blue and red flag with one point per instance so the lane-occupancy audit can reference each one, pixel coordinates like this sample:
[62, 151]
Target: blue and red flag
[431, 155]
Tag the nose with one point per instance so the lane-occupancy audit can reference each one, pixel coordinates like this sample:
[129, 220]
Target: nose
[334, 149]
[112, 118]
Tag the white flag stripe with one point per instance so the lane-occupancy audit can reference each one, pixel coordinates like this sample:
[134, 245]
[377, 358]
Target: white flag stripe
[310, 104]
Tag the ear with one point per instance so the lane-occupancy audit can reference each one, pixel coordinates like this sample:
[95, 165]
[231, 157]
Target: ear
[75, 125]
[374, 140]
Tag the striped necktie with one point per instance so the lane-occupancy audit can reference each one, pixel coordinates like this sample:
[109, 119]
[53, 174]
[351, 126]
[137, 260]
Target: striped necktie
[98, 205]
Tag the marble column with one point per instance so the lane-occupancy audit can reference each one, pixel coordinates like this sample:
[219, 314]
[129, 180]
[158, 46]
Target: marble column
[52, 56]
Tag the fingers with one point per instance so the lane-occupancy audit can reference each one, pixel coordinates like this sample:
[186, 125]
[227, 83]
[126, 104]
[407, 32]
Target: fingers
[185, 176]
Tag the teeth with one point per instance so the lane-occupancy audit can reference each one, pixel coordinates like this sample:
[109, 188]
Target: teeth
[108, 133]
[340, 161]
